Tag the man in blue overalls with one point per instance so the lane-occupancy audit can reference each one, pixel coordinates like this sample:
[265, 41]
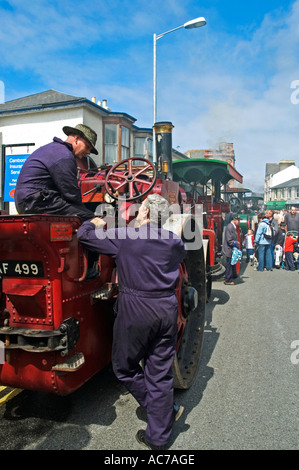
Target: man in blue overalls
[145, 328]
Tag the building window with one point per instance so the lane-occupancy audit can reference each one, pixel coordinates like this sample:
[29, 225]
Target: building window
[111, 143]
[125, 143]
[289, 193]
[143, 148]
[297, 192]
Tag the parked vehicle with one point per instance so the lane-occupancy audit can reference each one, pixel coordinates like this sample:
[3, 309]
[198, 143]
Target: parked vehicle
[55, 324]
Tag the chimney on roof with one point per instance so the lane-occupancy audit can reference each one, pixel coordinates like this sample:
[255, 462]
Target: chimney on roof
[104, 105]
[93, 99]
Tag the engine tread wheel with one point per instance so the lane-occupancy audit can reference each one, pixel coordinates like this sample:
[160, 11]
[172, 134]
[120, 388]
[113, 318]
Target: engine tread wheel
[190, 338]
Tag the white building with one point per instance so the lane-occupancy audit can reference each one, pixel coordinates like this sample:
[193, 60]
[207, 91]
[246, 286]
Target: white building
[30, 122]
[281, 184]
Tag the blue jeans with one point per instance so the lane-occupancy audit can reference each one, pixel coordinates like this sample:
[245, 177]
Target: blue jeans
[289, 261]
[265, 257]
[249, 252]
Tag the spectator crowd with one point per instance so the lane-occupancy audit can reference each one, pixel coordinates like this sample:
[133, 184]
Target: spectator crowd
[271, 242]
[275, 241]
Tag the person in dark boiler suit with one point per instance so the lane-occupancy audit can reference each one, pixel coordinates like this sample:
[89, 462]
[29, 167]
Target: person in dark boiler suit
[48, 182]
[230, 239]
[145, 328]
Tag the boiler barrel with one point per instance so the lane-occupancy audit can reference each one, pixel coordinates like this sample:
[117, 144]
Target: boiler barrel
[163, 132]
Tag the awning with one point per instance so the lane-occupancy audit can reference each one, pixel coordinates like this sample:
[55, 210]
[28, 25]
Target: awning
[276, 205]
[235, 174]
[236, 190]
[202, 170]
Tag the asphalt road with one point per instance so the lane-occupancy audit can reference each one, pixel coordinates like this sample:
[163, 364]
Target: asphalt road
[245, 395]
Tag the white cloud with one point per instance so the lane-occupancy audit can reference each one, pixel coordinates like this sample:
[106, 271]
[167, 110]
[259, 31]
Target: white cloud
[247, 100]
[212, 84]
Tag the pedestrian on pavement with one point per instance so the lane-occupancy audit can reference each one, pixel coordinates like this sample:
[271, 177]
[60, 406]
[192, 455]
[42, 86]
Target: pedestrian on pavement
[274, 224]
[260, 217]
[145, 328]
[278, 215]
[279, 246]
[292, 220]
[230, 240]
[289, 243]
[249, 244]
[265, 257]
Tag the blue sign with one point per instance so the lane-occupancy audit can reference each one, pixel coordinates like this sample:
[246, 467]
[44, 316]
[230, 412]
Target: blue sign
[13, 165]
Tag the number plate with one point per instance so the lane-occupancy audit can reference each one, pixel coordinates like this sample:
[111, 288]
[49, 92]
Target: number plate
[21, 268]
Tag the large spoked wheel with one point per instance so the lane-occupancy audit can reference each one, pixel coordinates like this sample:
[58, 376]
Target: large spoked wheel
[127, 181]
[235, 204]
[191, 294]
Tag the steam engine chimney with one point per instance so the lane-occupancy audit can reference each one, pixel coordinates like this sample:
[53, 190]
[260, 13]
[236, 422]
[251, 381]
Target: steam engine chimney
[163, 131]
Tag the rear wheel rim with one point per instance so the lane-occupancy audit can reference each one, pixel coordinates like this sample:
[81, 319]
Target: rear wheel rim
[191, 329]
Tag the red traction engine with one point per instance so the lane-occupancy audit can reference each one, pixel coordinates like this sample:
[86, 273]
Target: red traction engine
[55, 324]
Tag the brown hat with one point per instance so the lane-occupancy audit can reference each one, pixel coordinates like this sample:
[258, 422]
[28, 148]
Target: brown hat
[85, 132]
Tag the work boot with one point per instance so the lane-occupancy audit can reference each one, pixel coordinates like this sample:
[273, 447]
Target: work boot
[140, 436]
[178, 411]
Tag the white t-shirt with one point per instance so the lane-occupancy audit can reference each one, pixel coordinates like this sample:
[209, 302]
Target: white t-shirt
[249, 240]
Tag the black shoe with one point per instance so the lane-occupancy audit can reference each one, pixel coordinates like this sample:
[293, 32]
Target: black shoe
[140, 436]
[178, 411]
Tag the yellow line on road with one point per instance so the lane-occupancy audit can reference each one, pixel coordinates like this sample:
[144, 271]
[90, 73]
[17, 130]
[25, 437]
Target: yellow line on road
[9, 395]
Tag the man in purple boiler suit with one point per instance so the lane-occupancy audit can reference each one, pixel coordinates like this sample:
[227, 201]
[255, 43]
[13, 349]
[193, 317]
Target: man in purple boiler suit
[48, 182]
[145, 328]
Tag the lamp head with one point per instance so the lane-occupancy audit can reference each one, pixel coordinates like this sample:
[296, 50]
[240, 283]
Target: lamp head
[196, 23]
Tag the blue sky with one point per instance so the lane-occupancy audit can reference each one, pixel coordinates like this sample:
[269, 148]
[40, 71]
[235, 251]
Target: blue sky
[230, 80]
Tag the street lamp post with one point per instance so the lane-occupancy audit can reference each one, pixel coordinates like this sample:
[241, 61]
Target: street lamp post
[196, 23]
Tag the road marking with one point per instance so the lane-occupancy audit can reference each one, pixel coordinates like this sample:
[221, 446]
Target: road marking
[7, 393]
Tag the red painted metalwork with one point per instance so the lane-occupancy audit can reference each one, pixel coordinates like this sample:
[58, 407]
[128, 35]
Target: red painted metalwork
[45, 301]
[56, 325]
